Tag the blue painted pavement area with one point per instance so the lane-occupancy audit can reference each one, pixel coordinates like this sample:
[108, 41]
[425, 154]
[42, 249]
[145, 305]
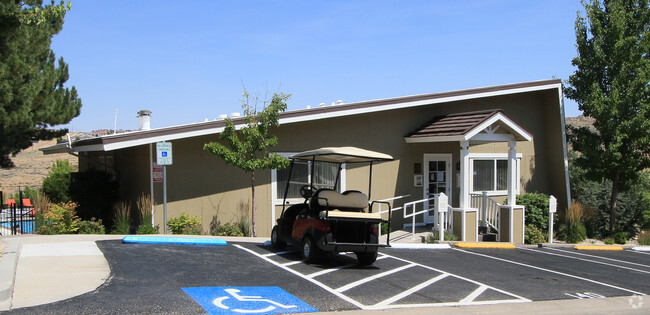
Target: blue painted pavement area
[172, 240]
[247, 300]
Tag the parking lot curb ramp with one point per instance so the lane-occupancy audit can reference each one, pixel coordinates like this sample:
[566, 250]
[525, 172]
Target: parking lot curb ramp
[598, 247]
[485, 245]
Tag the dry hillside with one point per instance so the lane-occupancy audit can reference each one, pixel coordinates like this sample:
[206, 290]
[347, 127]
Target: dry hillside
[580, 121]
[31, 167]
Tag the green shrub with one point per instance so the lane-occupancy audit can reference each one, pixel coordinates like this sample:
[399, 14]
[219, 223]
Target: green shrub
[92, 226]
[384, 228]
[532, 235]
[644, 238]
[121, 222]
[632, 207]
[228, 229]
[147, 229]
[432, 237]
[184, 225]
[620, 237]
[28, 193]
[609, 241]
[536, 210]
[59, 219]
[56, 185]
[574, 233]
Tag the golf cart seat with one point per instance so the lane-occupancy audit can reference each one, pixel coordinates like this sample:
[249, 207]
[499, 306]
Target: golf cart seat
[348, 205]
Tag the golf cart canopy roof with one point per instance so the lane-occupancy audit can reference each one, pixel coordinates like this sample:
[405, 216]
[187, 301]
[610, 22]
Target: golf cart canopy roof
[342, 155]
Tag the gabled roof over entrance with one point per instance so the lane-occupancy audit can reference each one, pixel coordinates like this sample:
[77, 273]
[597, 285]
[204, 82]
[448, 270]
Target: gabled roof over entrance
[491, 125]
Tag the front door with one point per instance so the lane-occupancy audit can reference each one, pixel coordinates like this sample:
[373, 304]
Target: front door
[437, 179]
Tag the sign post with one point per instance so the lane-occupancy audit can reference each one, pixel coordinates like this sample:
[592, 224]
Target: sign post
[552, 208]
[164, 158]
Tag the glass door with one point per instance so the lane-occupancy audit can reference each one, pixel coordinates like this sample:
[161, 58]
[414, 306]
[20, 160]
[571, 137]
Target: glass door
[437, 179]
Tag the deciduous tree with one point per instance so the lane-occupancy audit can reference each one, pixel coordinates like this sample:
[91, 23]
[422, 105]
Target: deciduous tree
[33, 98]
[611, 84]
[247, 147]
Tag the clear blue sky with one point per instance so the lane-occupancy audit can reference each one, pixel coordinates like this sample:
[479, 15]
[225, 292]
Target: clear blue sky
[187, 60]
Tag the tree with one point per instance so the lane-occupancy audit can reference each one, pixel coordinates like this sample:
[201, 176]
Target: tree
[247, 148]
[56, 186]
[32, 93]
[611, 84]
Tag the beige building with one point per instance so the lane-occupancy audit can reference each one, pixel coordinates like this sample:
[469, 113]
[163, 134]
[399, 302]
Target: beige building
[501, 140]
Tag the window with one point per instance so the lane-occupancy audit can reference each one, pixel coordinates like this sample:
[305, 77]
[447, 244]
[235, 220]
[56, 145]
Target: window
[324, 177]
[490, 173]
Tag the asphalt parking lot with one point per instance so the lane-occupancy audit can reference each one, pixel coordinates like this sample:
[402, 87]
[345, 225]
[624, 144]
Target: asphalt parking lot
[247, 277]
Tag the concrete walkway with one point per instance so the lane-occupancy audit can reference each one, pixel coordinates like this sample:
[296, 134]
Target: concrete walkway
[41, 269]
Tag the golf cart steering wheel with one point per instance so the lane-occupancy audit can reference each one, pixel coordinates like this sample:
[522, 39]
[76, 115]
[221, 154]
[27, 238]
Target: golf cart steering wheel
[307, 191]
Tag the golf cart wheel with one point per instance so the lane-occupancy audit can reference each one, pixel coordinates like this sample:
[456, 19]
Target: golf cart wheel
[276, 242]
[309, 250]
[366, 259]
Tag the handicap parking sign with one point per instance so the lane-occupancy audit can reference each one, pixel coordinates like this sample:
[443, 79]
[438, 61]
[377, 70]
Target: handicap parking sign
[247, 300]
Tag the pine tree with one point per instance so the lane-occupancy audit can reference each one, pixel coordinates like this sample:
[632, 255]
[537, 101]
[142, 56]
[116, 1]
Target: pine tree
[33, 98]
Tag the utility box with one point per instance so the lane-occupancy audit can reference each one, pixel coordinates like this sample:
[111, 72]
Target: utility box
[511, 224]
[466, 224]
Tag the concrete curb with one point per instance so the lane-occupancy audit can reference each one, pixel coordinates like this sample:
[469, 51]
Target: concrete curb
[641, 248]
[598, 247]
[8, 265]
[486, 245]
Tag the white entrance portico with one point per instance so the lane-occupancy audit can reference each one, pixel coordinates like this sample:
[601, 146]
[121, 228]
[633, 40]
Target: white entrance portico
[469, 129]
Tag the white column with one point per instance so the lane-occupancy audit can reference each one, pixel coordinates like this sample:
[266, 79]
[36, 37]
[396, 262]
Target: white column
[512, 172]
[464, 175]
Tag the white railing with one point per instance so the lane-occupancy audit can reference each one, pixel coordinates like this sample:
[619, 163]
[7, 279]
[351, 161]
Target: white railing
[380, 211]
[488, 209]
[440, 208]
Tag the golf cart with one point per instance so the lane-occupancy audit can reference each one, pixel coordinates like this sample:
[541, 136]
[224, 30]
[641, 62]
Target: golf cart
[329, 221]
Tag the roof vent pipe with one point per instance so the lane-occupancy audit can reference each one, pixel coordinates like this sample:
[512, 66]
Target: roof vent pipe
[145, 119]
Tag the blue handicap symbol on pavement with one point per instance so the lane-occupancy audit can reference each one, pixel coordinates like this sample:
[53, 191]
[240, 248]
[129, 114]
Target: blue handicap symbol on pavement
[247, 300]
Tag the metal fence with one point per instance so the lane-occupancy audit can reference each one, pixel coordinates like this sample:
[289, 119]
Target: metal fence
[17, 216]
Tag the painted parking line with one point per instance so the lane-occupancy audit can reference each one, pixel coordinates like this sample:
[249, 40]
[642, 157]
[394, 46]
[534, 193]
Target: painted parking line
[552, 271]
[430, 276]
[599, 257]
[588, 260]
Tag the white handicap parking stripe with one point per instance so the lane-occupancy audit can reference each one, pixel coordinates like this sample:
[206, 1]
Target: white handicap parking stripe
[377, 276]
[389, 302]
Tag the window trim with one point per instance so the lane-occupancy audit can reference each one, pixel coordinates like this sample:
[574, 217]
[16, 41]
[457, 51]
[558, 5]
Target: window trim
[495, 157]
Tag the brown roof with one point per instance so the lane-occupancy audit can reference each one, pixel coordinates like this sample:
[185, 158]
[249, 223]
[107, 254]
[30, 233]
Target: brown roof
[453, 124]
[177, 132]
